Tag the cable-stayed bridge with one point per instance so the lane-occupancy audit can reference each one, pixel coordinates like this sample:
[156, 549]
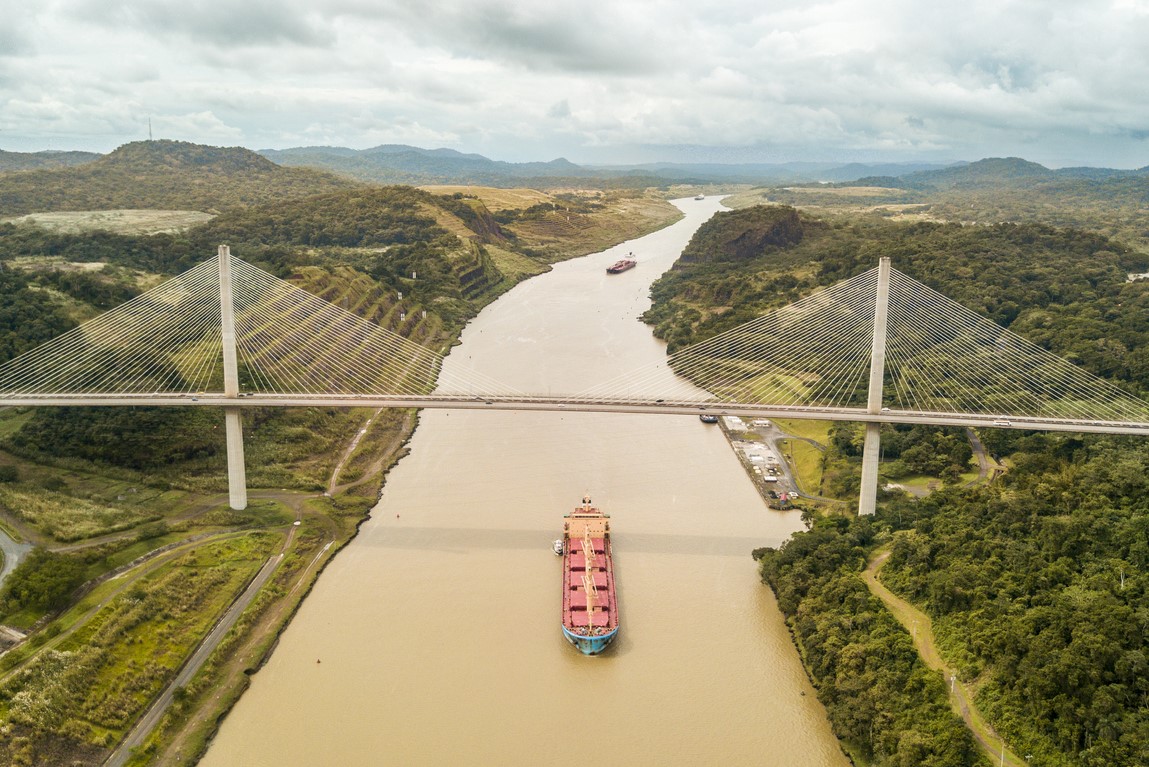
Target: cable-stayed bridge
[877, 348]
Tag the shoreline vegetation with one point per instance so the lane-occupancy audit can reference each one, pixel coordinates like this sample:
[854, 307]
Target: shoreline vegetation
[150, 508]
[921, 628]
[1034, 582]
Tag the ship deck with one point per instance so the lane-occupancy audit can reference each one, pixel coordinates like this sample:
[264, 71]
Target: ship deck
[589, 596]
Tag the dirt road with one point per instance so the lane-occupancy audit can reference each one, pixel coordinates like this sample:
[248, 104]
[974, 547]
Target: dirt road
[920, 626]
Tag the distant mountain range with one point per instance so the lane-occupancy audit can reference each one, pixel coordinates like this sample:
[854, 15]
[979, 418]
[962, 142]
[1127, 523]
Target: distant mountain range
[996, 172]
[776, 173]
[402, 164]
[399, 163]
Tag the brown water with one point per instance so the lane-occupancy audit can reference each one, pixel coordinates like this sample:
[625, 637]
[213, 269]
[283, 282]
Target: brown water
[438, 627]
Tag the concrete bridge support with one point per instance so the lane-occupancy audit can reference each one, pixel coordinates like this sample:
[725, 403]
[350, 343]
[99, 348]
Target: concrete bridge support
[233, 423]
[236, 468]
[868, 497]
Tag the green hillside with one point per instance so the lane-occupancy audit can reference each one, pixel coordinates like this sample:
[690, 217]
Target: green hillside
[166, 175]
[415, 262]
[1065, 289]
[1036, 582]
[36, 160]
[990, 191]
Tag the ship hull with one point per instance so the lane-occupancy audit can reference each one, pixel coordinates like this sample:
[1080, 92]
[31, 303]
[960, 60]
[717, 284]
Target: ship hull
[590, 609]
[590, 645]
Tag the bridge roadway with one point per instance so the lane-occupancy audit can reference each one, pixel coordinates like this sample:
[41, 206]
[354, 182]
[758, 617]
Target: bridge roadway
[578, 405]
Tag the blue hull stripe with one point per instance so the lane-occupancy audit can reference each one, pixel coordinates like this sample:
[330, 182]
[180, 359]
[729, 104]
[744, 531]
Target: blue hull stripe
[590, 645]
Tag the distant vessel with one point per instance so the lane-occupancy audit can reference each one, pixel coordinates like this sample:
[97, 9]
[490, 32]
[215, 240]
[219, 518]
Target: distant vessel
[623, 265]
[700, 197]
[708, 418]
[590, 608]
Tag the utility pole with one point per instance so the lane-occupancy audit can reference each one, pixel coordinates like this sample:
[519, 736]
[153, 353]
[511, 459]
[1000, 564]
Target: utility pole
[233, 424]
[868, 497]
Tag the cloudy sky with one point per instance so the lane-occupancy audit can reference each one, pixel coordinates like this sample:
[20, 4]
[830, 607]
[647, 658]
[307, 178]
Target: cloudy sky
[1061, 82]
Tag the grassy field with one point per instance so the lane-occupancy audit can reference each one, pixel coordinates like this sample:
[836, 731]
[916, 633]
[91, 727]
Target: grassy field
[118, 221]
[887, 203]
[819, 431]
[96, 682]
[66, 518]
[185, 730]
[558, 235]
[495, 199]
[806, 461]
[11, 419]
[514, 266]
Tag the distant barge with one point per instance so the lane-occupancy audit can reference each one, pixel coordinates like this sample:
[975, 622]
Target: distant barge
[590, 606]
[622, 265]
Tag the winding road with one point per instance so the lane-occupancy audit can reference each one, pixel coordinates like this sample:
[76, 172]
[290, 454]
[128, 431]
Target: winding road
[921, 628]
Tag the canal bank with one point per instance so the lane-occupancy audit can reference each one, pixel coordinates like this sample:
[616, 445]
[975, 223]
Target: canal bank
[434, 637]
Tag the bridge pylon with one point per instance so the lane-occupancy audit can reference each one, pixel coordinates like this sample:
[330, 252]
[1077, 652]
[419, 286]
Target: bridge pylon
[233, 421]
[871, 451]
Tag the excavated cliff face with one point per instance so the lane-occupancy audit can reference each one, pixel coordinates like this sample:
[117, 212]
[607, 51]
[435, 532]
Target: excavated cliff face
[739, 235]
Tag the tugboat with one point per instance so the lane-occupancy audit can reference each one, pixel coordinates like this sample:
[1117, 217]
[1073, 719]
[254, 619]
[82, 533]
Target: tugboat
[590, 607]
[622, 265]
[558, 547]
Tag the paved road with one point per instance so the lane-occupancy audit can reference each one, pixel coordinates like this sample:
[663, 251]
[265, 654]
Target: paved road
[141, 731]
[537, 403]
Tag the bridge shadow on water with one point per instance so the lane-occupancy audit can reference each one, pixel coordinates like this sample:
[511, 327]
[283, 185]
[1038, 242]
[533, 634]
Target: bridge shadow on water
[460, 540]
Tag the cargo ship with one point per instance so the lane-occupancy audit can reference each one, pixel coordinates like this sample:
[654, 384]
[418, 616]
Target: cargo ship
[590, 607]
[622, 265]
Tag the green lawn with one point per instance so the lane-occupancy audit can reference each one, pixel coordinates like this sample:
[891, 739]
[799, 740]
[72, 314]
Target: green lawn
[806, 463]
[819, 431]
[95, 684]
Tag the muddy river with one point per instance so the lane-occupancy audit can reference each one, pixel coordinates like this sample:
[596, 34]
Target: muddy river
[434, 638]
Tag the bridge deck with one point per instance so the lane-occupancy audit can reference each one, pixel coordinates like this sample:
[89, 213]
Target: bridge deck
[576, 404]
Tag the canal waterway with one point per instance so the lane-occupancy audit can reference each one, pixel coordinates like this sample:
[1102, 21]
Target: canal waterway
[434, 639]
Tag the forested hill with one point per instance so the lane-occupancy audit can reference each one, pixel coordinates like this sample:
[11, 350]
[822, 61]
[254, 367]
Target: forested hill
[1036, 583]
[1112, 201]
[357, 248]
[385, 231]
[162, 175]
[35, 160]
[1007, 172]
[1064, 289]
[417, 263]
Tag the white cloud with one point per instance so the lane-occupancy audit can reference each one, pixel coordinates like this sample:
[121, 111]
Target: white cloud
[517, 80]
[205, 124]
